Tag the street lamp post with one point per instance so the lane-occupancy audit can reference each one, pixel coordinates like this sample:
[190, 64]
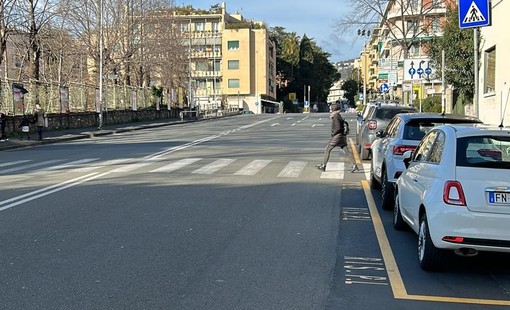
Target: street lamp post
[100, 126]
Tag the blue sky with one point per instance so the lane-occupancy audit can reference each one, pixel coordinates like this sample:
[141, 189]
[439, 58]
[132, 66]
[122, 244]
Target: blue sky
[315, 18]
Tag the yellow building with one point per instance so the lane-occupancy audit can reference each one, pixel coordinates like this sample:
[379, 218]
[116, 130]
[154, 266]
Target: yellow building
[232, 62]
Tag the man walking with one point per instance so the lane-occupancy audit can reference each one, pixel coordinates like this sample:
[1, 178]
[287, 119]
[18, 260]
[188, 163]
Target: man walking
[339, 131]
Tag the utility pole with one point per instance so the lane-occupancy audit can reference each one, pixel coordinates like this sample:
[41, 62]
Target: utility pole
[100, 126]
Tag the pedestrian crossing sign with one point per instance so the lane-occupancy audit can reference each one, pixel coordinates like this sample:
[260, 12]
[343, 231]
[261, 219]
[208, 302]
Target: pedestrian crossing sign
[474, 13]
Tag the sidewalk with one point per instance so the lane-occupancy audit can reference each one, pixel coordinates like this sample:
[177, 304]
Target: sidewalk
[81, 133]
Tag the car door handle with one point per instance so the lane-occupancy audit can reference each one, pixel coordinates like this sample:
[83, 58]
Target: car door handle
[415, 180]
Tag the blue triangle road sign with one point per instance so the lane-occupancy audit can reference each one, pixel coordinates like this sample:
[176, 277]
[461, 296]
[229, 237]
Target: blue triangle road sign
[474, 13]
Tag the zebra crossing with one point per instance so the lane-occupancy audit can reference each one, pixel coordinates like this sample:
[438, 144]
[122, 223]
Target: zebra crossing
[196, 166]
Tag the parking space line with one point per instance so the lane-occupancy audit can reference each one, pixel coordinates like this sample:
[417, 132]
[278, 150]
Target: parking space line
[396, 282]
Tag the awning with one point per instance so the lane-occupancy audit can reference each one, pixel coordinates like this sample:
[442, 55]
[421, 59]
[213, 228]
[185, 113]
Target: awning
[269, 102]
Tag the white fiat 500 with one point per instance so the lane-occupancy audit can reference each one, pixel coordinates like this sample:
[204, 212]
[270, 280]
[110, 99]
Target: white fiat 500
[455, 192]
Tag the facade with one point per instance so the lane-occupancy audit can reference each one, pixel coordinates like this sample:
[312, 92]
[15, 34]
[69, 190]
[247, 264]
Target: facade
[401, 38]
[494, 76]
[232, 62]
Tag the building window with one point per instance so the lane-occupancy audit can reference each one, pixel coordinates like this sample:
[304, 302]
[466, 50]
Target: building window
[233, 45]
[199, 26]
[184, 27]
[233, 83]
[215, 26]
[490, 70]
[436, 25]
[233, 64]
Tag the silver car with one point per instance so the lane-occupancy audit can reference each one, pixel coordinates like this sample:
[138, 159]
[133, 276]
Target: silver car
[377, 118]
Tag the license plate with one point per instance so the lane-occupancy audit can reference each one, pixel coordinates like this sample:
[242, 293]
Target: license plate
[499, 198]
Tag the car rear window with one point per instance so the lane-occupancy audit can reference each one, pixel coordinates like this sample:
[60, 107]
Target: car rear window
[484, 151]
[388, 114]
[416, 129]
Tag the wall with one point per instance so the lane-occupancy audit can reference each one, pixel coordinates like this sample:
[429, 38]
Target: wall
[90, 119]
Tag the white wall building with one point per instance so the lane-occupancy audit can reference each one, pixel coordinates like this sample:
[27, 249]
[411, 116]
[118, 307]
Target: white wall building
[494, 74]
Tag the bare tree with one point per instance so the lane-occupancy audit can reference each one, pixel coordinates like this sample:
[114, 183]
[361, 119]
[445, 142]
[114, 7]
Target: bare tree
[405, 20]
[7, 20]
[34, 16]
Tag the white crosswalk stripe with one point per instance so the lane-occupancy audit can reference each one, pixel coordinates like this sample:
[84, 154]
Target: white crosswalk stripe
[30, 166]
[334, 170]
[253, 167]
[214, 166]
[12, 163]
[293, 169]
[108, 163]
[177, 165]
[68, 165]
[136, 165]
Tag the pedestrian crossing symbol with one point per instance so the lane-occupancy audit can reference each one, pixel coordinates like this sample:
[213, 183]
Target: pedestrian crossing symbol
[474, 13]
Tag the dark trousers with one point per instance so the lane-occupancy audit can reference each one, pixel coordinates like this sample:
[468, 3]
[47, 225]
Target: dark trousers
[347, 151]
[39, 131]
[4, 136]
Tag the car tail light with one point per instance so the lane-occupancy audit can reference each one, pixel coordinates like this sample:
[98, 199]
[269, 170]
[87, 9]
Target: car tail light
[453, 239]
[453, 194]
[401, 149]
[372, 124]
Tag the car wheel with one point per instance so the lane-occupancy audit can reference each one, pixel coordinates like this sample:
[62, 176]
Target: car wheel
[398, 221]
[429, 256]
[374, 184]
[364, 153]
[386, 192]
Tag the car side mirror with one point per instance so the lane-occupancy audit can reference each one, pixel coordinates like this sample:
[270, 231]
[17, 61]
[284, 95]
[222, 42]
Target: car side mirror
[380, 134]
[407, 157]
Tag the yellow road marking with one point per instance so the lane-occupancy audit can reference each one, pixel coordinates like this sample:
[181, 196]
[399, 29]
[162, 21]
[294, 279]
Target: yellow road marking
[354, 152]
[396, 282]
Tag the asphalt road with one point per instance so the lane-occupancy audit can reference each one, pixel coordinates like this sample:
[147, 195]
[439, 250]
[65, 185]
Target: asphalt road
[226, 214]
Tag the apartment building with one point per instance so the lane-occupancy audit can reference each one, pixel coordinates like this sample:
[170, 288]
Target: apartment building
[400, 39]
[232, 62]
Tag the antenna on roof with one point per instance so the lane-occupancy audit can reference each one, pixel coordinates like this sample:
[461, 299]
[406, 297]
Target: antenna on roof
[504, 110]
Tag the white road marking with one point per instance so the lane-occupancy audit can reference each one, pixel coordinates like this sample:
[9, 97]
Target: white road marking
[107, 163]
[293, 169]
[253, 167]
[47, 191]
[334, 170]
[214, 166]
[12, 163]
[38, 164]
[68, 165]
[177, 165]
[138, 165]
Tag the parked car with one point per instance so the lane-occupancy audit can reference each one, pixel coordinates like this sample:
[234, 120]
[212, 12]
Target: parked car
[403, 133]
[455, 192]
[246, 112]
[377, 118]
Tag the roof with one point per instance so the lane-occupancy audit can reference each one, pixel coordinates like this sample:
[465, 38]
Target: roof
[478, 129]
[437, 117]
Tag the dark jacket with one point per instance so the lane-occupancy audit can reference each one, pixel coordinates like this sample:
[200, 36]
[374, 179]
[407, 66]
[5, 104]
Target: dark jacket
[3, 120]
[337, 130]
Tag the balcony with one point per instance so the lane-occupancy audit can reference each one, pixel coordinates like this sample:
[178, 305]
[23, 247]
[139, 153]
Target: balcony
[205, 74]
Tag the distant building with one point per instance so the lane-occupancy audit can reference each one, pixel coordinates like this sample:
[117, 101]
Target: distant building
[336, 93]
[232, 61]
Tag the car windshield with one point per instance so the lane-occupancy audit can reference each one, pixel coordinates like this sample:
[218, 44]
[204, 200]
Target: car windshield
[484, 151]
